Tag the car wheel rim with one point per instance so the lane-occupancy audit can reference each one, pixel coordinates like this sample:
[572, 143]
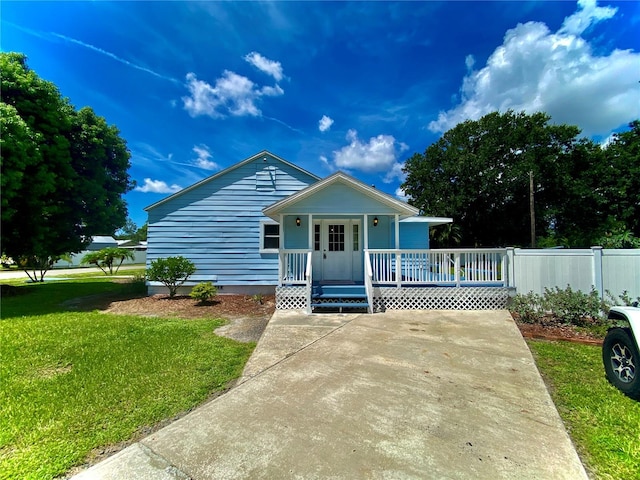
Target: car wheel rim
[622, 362]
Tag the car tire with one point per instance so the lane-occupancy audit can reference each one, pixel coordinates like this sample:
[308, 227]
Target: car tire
[622, 362]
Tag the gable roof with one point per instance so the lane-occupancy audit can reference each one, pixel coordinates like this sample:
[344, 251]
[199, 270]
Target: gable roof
[401, 207]
[224, 172]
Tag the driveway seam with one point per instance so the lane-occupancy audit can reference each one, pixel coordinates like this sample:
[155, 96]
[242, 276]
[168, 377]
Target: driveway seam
[304, 347]
[170, 468]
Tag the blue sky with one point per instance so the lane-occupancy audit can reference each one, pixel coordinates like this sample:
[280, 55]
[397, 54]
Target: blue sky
[359, 87]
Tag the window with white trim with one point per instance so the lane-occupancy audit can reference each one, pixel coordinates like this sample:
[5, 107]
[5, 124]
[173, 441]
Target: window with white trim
[269, 237]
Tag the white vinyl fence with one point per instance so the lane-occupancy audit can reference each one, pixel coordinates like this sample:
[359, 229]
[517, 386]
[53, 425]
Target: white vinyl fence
[139, 257]
[615, 271]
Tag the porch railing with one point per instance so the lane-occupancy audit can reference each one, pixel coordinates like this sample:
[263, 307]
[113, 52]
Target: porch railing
[439, 267]
[368, 282]
[294, 267]
[309, 278]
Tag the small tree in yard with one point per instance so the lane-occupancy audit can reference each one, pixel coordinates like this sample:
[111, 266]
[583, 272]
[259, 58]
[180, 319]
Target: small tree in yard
[105, 259]
[172, 272]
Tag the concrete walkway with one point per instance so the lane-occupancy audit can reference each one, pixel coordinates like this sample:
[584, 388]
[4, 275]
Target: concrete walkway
[446, 395]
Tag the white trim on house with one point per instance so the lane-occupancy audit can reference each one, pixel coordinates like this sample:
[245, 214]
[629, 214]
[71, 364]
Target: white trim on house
[403, 208]
[263, 236]
[433, 221]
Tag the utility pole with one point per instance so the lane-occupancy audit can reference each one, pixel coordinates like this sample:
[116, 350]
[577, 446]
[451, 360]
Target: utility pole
[532, 210]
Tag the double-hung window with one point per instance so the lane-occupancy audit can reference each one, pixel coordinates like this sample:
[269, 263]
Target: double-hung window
[269, 237]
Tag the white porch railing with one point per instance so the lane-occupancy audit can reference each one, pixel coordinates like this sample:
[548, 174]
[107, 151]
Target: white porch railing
[439, 267]
[294, 267]
[368, 282]
[309, 278]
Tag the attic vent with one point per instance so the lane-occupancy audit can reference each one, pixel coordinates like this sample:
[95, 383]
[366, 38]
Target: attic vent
[265, 178]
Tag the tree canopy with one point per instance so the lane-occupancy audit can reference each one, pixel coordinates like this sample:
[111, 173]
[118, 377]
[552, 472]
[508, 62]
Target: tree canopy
[479, 173]
[64, 171]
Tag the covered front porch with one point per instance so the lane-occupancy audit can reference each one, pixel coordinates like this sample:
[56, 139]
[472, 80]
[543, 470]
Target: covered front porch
[462, 279]
[344, 244]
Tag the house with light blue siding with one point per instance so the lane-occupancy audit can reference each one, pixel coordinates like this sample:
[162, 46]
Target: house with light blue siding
[265, 225]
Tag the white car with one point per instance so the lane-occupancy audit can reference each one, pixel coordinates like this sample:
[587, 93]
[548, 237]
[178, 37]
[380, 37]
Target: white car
[620, 350]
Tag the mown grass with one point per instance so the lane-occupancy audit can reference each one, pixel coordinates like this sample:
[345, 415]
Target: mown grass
[603, 423]
[71, 382]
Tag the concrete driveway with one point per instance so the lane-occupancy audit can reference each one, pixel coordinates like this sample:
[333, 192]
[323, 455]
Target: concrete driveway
[419, 394]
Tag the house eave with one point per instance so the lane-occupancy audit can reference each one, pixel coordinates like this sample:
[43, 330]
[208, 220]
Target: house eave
[432, 221]
[402, 208]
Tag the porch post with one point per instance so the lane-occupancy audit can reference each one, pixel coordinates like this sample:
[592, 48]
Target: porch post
[366, 232]
[510, 269]
[310, 228]
[281, 222]
[398, 254]
[280, 254]
[397, 231]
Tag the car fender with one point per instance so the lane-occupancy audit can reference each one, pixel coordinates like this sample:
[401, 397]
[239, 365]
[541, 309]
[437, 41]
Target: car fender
[629, 316]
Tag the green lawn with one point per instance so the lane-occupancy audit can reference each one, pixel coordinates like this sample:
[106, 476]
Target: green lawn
[71, 382]
[603, 423]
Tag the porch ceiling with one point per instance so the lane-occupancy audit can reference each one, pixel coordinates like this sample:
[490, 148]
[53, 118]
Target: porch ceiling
[335, 195]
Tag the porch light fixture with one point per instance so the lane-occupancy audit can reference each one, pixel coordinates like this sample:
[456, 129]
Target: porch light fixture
[375, 221]
[297, 221]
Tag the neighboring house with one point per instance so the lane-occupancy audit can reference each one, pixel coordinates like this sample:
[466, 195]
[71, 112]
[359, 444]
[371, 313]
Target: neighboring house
[101, 241]
[266, 225]
[98, 243]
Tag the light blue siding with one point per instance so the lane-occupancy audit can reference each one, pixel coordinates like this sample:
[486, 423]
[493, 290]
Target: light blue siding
[216, 224]
[414, 235]
[338, 199]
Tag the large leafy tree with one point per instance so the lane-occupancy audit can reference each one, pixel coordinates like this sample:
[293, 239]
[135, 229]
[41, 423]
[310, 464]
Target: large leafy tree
[480, 172]
[63, 171]
[622, 158]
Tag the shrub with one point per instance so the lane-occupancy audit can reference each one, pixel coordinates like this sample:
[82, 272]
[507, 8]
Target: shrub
[561, 306]
[172, 272]
[528, 307]
[203, 291]
[623, 299]
[575, 307]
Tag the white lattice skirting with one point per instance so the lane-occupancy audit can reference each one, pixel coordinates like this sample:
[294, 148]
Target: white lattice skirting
[440, 298]
[291, 298]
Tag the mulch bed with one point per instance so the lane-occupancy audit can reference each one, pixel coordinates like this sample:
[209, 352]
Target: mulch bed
[566, 333]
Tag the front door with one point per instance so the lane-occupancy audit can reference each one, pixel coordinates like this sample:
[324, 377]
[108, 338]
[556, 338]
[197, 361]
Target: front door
[336, 251]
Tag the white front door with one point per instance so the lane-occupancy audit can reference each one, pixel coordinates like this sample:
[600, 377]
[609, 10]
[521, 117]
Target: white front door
[337, 250]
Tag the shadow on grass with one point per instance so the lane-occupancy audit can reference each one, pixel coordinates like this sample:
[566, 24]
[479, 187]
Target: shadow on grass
[67, 295]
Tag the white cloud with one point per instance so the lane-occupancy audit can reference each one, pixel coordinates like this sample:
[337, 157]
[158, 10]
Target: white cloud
[157, 186]
[395, 172]
[270, 67]
[588, 14]
[203, 159]
[469, 61]
[232, 94]
[558, 73]
[379, 154]
[325, 123]
[401, 194]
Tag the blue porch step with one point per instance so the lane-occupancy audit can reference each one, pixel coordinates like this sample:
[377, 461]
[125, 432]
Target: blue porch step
[339, 296]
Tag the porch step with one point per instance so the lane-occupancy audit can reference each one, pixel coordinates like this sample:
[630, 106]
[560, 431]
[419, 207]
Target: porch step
[339, 296]
[338, 291]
